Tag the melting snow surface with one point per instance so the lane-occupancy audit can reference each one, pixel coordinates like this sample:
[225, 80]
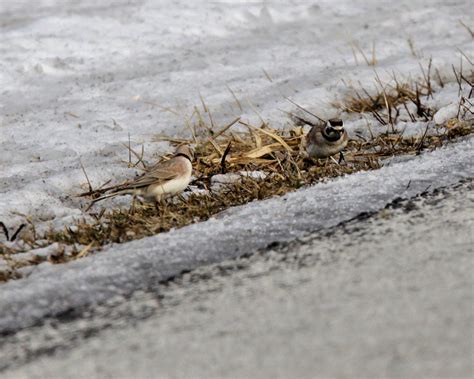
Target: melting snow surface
[50, 290]
[76, 78]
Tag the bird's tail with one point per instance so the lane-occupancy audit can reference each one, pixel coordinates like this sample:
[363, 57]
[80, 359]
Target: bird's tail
[109, 195]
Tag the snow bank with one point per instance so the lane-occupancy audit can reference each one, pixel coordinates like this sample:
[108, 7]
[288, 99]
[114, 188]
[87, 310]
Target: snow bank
[50, 291]
[77, 77]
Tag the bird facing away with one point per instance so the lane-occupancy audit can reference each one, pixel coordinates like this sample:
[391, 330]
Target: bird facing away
[326, 140]
[164, 179]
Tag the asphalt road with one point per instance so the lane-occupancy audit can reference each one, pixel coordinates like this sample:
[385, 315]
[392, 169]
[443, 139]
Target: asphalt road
[390, 295]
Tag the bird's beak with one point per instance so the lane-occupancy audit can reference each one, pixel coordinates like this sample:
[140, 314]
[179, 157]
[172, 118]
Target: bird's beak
[339, 129]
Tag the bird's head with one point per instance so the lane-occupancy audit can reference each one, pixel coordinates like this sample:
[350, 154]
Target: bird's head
[333, 130]
[185, 151]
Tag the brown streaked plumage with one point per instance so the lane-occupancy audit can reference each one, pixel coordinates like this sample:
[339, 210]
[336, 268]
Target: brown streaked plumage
[326, 140]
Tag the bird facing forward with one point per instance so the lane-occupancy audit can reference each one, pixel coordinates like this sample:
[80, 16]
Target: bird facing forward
[326, 140]
[164, 179]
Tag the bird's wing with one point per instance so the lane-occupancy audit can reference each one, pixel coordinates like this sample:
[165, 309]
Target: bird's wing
[314, 132]
[159, 173]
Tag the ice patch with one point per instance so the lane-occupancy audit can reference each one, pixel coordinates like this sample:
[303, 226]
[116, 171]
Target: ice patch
[78, 77]
[137, 265]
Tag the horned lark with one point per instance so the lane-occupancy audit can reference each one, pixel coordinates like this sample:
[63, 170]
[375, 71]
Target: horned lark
[162, 180]
[326, 140]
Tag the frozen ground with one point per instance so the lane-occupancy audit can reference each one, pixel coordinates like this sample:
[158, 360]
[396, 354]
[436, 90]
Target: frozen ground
[67, 291]
[387, 296]
[77, 77]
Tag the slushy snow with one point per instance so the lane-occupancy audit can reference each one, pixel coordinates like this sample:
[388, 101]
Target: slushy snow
[76, 78]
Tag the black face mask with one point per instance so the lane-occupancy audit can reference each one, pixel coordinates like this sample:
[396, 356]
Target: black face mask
[184, 155]
[331, 134]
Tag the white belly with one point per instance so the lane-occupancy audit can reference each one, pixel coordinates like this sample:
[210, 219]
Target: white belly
[169, 188]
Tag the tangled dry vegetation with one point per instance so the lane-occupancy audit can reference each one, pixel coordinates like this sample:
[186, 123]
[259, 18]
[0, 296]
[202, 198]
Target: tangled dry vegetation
[406, 97]
[249, 148]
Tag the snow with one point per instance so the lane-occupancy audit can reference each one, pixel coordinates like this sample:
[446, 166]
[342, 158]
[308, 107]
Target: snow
[446, 113]
[52, 290]
[221, 181]
[77, 77]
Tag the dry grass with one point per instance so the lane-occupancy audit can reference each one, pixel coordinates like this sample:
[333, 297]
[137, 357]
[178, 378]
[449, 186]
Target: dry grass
[469, 30]
[255, 150]
[398, 97]
[390, 99]
[227, 149]
[357, 49]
